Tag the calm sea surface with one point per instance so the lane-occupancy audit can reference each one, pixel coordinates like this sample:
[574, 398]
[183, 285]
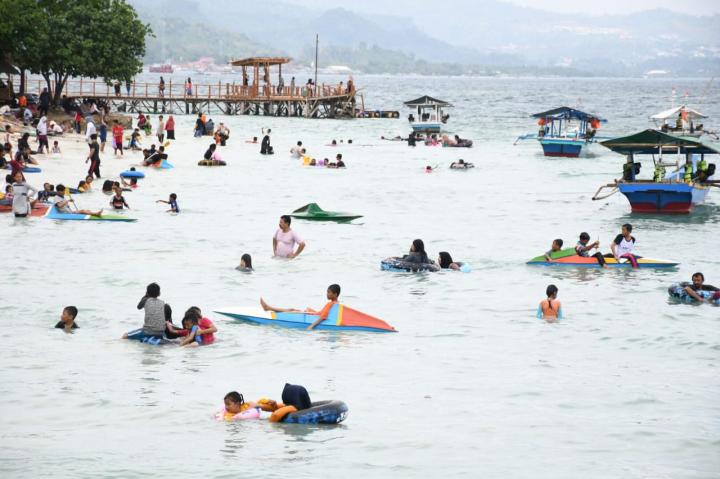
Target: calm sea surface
[472, 385]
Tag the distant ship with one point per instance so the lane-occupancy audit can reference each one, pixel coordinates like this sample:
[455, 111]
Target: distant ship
[167, 68]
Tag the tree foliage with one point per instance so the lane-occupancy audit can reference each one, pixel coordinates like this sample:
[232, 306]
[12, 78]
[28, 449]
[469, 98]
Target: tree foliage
[59, 39]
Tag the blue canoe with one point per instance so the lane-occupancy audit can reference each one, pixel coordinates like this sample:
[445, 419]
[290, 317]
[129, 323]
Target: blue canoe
[54, 214]
[340, 318]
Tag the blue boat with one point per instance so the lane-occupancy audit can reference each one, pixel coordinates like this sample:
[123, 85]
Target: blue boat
[676, 192]
[564, 131]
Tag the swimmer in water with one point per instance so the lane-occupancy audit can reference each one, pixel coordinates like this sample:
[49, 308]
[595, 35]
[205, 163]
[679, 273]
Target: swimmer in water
[333, 293]
[428, 169]
[446, 262]
[172, 201]
[67, 319]
[245, 263]
[550, 309]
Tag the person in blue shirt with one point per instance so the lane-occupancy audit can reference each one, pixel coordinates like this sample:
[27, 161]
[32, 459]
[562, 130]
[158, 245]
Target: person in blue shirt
[172, 201]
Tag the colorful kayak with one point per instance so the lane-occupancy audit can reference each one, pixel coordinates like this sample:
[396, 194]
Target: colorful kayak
[28, 169]
[165, 165]
[677, 291]
[313, 212]
[38, 209]
[54, 214]
[340, 318]
[590, 262]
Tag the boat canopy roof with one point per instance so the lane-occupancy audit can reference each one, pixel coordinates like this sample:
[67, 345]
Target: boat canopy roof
[674, 112]
[567, 113]
[651, 141]
[254, 61]
[426, 101]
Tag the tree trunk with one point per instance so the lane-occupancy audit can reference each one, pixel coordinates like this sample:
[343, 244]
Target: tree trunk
[46, 76]
[22, 82]
[60, 80]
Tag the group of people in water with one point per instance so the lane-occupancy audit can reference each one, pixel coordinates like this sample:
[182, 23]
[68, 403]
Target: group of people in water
[622, 248]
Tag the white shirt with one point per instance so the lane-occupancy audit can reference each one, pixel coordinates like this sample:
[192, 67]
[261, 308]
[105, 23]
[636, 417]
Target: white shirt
[42, 128]
[90, 130]
[21, 191]
[295, 151]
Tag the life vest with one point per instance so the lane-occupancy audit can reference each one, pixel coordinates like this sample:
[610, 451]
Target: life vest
[702, 165]
[548, 311]
[659, 173]
[688, 172]
[541, 122]
[595, 123]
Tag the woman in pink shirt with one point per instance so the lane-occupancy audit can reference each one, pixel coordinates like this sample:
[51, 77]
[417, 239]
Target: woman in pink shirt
[285, 239]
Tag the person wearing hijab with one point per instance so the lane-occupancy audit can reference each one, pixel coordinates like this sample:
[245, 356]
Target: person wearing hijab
[42, 132]
[296, 396]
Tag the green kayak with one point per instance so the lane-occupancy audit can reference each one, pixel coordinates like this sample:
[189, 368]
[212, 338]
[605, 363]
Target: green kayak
[313, 212]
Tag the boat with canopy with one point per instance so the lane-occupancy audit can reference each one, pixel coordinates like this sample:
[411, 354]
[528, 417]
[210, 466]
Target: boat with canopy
[686, 185]
[430, 114]
[564, 131]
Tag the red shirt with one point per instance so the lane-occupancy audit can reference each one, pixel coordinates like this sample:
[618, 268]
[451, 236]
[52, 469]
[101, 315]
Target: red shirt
[208, 338]
[118, 131]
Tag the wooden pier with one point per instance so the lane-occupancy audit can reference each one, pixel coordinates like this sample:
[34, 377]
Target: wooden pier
[306, 101]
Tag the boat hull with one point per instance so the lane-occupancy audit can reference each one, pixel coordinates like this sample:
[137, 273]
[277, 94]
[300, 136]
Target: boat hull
[664, 198]
[565, 148]
[340, 318]
[590, 262]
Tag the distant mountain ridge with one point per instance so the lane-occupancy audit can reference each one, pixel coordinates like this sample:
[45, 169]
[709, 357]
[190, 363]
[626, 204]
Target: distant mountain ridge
[486, 35]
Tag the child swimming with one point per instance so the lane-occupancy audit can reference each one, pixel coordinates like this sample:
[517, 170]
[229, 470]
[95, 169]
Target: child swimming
[67, 319]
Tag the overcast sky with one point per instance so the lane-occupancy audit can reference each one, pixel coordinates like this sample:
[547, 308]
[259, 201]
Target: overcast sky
[696, 7]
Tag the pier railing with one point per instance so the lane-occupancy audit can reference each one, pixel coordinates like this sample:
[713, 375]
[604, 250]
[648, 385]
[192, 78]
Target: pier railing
[179, 91]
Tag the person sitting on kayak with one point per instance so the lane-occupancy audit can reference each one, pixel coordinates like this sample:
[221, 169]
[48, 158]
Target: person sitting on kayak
[333, 292]
[417, 253]
[623, 244]
[550, 309]
[155, 158]
[556, 246]
[63, 205]
[446, 262]
[582, 248]
[697, 285]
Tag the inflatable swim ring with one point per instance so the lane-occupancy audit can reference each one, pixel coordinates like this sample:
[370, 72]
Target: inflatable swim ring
[212, 163]
[132, 174]
[251, 413]
[398, 265]
[321, 412]
[677, 291]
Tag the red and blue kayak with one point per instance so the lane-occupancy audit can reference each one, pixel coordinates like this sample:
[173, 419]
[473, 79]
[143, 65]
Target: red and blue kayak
[340, 318]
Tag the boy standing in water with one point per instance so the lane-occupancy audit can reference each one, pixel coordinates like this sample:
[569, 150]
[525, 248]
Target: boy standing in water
[154, 325]
[333, 292]
[172, 201]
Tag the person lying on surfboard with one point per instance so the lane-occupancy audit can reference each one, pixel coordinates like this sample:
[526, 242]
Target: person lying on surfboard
[333, 292]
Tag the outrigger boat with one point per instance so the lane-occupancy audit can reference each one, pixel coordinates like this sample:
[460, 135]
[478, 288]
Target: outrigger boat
[687, 185]
[565, 131]
[681, 120]
[430, 117]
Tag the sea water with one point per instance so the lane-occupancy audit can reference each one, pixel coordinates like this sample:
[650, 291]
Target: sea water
[472, 385]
